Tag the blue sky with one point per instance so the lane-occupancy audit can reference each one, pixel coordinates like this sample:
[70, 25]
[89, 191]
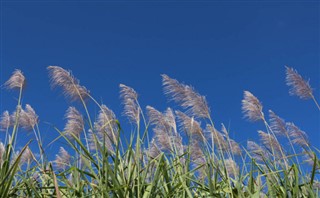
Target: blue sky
[219, 48]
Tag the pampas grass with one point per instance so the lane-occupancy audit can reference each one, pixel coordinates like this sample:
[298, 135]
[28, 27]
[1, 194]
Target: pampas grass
[186, 155]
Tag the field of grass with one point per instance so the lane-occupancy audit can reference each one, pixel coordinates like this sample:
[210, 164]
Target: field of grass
[166, 154]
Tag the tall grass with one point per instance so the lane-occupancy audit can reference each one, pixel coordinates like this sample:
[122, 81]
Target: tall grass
[166, 154]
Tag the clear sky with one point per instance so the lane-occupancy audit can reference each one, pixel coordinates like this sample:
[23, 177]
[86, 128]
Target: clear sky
[221, 49]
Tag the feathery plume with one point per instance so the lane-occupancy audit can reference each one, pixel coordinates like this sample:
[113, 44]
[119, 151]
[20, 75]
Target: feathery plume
[27, 156]
[153, 150]
[92, 141]
[256, 151]
[62, 159]
[218, 138]
[298, 136]
[198, 158]
[166, 136]
[69, 84]
[131, 108]
[177, 144]
[106, 123]
[277, 124]
[101, 139]
[270, 142]
[16, 81]
[5, 121]
[28, 118]
[163, 139]
[234, 147]
[15, 116]
[165, 120]
[171, 120]
[195, 104]
[196, 153]
[298, 86]
[156, 117]
[190, 126]
[231, 167]
[75, 123]
[162, 129]
[251, 107]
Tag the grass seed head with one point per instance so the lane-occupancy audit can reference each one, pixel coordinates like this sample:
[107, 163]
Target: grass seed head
[231, 167]
[298, 86]
[5, 121]
[251, 107]
[16, 81]
[130, 100]
[60, 77]
[62, 159]
[256, 151]
[277, 124]
[298, 136]
[28, 118]
[75, 123]
[195, 104]
[270, 142]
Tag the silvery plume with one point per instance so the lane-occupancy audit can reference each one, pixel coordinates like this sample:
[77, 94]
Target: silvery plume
[277, 124]
[75, 123]
[130, 100]
[231, 167]
[251, 107]
[298, 136]
[5, 121]
[298, 86]
[190, 126]
[28, 118]
[16, 81]
[71, 87]
[62, 159]
[257, 152]
[195, 104]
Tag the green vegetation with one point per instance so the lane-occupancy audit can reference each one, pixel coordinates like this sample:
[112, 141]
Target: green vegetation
[166, 154]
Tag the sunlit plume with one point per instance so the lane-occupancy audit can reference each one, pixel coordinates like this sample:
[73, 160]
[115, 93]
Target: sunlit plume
[105, 124]
[16, 81]
[28, 118]
[190, 126]
[277, 124]
[75, 123]
[298, 86]
[153, 150]
[251, 107]
[27, 156]
[60, 77]
[129, 99]
[197, 155]
[270, 142]
[231, 167]
[219, 140]
[298, 136]
[257, 152]
[195, 104]
[62, 159]
[5, 121]
[234, 146]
